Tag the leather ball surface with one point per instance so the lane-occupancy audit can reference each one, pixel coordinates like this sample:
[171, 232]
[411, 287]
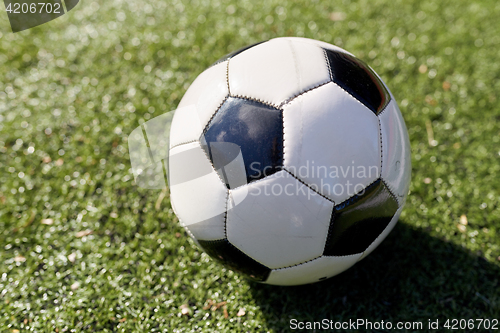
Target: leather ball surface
[302, 161]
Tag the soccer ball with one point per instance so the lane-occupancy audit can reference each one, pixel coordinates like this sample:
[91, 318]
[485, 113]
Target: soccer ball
[289, 161]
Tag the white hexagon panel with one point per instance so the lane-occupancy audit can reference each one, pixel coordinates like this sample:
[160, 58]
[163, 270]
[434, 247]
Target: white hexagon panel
[291, 68]
[332, 142]
[280, 223]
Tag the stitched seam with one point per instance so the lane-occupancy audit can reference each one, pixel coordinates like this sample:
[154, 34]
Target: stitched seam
[329, 232]
[353, 97]
[328, 65]
[390, 97]
[234, 247]
[381, 146]
[385, 107]
[225, 214]
[305, 262]
[283, 130]
[289, 100]
[364, 189]
[333, 212]
[213, 115]
[380, 235]
[227, 78]
[213, 166]
[204, 131]
[258, 180]
[331, 78]
[218, 62]
[215, 63]
[277, 107]
[183, 143]
[302, 263]
[391, 191]
[257, 261]
[309, 186]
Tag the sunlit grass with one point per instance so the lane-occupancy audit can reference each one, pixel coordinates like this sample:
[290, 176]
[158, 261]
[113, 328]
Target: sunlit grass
[82, 248]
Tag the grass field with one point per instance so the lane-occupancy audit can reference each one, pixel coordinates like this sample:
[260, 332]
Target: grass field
[82, 249]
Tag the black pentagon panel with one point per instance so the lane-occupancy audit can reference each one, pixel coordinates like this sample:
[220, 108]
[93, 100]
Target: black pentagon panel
[256, 128]
[358, 221]
[232, 54]
[358, 79]
[236, 260]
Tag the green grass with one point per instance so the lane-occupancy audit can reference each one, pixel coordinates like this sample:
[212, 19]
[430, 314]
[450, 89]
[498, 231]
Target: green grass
[74, 88]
